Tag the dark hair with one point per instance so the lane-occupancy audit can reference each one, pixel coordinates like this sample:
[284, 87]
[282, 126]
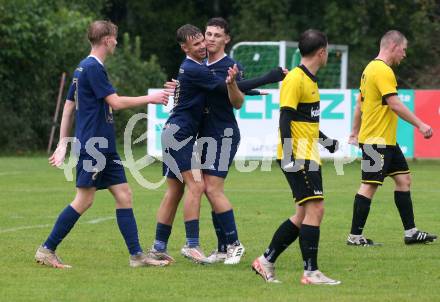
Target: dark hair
[99, 29]
[219, 22]
[310, 41]
[186, 32]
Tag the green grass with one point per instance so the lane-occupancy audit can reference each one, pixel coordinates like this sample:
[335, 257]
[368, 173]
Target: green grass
[32, 194]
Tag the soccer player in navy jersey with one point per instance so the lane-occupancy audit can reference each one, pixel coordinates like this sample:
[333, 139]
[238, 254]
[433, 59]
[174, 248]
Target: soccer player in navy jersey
[219, 123]
[92, 98]
[181, 167]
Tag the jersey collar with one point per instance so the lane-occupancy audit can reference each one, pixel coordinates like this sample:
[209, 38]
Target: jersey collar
[96, 58]
[381, 61]
[212, 63]
[308, 73]
[189, 58]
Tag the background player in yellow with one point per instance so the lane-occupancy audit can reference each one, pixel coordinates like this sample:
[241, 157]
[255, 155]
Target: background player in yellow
[299, 129]
[375, 128]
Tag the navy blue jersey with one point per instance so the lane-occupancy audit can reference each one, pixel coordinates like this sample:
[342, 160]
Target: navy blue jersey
[194, 81]
[94, 117]
[220, 112]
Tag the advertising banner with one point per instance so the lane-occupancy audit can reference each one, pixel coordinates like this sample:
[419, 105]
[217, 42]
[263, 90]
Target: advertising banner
[258, 123]
[405, 131]
[427, 108]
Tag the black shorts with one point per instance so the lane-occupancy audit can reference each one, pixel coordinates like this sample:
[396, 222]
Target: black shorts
[381, 161]
[305, 184]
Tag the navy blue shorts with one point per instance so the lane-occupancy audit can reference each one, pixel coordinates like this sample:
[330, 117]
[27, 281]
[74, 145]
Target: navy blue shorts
[112, 173]
[181, 160]
[217, 159]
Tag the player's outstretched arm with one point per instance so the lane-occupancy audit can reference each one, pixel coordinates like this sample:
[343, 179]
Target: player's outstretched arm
[236, 97]
[59, 154]
[403, 112]
[273, 76]
[353, 139]
[123, 102]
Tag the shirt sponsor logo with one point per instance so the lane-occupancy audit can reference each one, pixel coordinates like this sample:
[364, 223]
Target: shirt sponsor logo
[315, 112]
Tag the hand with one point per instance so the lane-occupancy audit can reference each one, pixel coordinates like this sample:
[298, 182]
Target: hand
[232, 74]
[170, 84]
[285, 71]
[426, 130]
[58, 155]
[160, 97]
[353, 139]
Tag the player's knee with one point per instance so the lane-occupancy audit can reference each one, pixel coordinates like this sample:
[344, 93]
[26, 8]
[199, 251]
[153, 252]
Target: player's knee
[197, 189]
[319, 209]
[297, 219]
[211, 191]
[82, 204]
[175, 187]
[367, 190]
[316, 209]
[178, 192]
[124, 198]
[174, 195]
[403, 183]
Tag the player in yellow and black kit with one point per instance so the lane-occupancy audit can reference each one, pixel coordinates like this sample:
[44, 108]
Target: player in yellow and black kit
[375, 128]
[299, 159]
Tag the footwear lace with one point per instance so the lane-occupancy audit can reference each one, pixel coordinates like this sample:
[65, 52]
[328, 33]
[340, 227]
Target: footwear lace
[231, 249]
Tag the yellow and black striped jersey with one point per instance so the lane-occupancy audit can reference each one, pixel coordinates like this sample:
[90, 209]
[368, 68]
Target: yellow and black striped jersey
[299, 93]
[379, 122]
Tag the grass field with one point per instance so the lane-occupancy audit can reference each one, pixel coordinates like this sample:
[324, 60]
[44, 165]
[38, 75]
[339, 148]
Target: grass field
[32, 194]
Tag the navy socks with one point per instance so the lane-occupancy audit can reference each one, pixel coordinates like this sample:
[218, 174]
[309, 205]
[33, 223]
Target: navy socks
[65, 222]
[127, 226]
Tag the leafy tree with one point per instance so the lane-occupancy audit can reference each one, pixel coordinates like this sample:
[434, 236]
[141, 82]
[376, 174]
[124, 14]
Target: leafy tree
[36, 46]
[131, 76]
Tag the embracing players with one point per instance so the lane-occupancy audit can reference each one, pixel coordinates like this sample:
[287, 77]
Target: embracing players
[181, 158]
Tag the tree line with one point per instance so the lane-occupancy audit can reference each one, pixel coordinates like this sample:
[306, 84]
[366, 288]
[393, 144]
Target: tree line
[40, 39]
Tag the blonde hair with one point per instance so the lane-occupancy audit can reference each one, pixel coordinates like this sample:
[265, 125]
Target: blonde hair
[100, 29]
[394, 36]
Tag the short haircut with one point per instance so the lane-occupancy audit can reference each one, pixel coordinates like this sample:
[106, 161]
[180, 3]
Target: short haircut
[310, 41]
[99, 29]
[186, 32]
[219, 22]
[394, 36]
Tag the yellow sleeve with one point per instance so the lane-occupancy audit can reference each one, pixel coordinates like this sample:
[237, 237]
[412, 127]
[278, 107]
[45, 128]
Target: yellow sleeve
[386, 82]
[290, 93]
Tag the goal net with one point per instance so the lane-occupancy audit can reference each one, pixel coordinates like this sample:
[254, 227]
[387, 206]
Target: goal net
[259, 57]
